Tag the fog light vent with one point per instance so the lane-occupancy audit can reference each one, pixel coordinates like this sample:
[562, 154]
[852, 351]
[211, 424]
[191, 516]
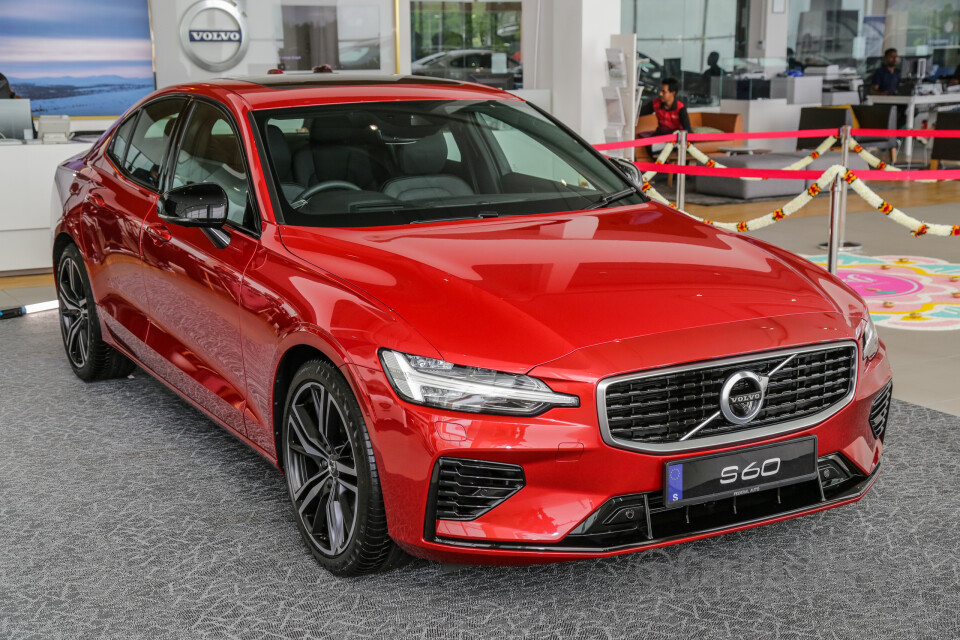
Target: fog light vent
[833, 471]
[466, 489]
[880, 410]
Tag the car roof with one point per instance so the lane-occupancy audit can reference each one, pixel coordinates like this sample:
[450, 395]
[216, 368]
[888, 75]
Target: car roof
[302, 89]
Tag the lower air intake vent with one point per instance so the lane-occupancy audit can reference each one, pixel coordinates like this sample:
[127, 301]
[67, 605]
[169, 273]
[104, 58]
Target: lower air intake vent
[880, 410]
[466, 489]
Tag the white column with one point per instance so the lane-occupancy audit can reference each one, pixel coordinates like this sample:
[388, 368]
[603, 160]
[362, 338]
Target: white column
[564, 43]
[768, 33]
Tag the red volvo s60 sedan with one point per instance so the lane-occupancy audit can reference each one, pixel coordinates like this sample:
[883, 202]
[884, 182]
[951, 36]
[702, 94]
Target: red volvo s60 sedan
[459, 330]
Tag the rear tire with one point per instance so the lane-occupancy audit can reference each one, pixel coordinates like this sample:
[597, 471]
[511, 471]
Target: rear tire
[89, 356]
[332, 475]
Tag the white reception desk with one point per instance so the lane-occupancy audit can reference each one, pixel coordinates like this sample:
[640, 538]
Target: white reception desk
[27, 201]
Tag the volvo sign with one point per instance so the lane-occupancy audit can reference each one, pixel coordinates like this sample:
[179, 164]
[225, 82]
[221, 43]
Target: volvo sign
[210, 35]
[213, 34]
[741, 397]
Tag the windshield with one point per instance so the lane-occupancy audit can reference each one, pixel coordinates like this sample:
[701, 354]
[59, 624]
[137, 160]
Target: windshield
[380, 164]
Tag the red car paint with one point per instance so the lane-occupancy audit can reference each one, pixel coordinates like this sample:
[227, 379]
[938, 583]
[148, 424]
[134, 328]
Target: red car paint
[569, 298]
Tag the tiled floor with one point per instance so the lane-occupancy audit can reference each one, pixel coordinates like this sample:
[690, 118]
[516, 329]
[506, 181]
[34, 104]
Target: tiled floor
[926, 363]
[23, 290]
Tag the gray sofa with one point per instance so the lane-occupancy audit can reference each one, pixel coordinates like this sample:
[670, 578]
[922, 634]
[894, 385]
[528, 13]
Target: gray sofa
[750, 189]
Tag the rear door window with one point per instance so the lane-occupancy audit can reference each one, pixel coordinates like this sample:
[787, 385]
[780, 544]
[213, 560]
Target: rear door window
[118, 148]
[150, 140]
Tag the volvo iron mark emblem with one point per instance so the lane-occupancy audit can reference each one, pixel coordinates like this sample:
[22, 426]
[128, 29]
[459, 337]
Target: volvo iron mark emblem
[213, 34]
[741, 397]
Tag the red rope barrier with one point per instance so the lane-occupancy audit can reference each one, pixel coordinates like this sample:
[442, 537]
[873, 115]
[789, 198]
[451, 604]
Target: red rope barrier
[762, 135]
[639, 142]
[904, 133]
[773, 135]
[785, 174]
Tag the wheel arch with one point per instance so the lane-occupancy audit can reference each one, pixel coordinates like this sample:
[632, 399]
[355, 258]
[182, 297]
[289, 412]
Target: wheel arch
[61, 242]
[291, 360]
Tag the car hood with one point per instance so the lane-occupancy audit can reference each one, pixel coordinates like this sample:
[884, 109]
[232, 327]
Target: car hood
[511, 293]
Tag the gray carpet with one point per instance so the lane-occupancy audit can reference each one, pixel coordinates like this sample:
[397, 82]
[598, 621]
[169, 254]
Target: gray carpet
[124, 513]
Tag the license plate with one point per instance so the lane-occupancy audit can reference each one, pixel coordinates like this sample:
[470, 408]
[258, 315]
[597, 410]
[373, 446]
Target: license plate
[737, 473]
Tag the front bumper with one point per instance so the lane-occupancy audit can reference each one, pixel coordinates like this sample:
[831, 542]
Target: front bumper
[570, 473]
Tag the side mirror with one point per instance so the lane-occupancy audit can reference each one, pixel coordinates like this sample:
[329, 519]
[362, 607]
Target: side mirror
[203, 204]
[629, 170]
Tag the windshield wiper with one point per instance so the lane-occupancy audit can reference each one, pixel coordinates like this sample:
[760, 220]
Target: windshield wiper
[610, 198]
[482, 214]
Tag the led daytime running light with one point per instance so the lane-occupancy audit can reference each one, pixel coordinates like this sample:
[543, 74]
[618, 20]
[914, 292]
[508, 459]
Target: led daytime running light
[871, 339]
[410, 382]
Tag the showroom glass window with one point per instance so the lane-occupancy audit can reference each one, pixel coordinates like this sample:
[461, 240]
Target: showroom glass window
[472, 41]
[678, 42]
[855, 33]
[150, 140]
[210, 151]
[345, 35]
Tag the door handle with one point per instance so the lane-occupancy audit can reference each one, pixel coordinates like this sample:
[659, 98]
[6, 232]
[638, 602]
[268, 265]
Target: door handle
[158, 232]
[95, 199]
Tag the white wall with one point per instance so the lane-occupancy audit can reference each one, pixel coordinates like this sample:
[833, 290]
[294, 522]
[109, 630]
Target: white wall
[264, 38]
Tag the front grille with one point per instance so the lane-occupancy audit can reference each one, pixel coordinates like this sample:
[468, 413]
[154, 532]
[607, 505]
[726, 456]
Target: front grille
[466, 489]
[661, 408]
[880, 410]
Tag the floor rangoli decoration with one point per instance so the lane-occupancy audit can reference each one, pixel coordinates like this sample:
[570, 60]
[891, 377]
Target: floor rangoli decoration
[904, 292]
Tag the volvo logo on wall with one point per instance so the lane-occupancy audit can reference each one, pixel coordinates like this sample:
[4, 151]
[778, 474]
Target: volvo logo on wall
[213, 34]
[741, 397]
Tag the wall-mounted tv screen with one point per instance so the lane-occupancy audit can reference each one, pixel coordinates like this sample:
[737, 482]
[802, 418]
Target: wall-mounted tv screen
[77, 57]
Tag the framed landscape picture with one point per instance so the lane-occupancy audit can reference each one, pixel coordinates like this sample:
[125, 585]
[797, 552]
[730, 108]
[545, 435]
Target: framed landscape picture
[77, 57]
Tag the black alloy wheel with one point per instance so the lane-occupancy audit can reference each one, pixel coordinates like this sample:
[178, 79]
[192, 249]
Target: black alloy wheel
[74, 316]
[332, 475]
[90, 357]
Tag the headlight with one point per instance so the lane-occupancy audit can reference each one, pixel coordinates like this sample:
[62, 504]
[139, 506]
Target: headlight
[870, 340]
[436, 383]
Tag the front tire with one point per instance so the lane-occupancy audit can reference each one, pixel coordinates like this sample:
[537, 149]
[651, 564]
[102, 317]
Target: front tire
[332, 475]
[90, 357]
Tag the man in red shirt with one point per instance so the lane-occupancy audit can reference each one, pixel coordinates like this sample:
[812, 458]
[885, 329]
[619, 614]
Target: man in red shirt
[671, 114]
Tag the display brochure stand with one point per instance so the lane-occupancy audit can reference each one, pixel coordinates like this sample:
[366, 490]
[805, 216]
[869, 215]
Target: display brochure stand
[622, 79]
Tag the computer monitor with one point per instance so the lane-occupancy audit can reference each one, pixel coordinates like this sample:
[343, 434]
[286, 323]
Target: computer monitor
[15, 119]
[671, 69]
[53, 128]
[914, 66]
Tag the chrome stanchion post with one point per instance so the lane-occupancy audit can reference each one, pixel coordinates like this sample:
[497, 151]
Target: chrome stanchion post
[844, 160]
[681, 162]
[839, 226]
[845, 137]
[834, 244]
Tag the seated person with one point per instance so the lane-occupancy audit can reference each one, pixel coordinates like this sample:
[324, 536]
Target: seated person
[886, 79]
[793, 62]
[671, 114]
[713, 69]
[955, 78]
[6, 91]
